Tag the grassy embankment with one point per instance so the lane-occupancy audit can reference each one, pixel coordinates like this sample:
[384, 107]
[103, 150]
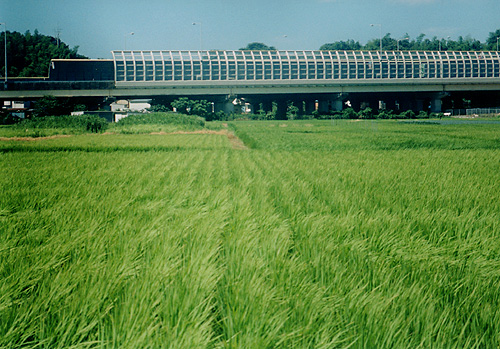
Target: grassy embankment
[84, 124]
[370, 233]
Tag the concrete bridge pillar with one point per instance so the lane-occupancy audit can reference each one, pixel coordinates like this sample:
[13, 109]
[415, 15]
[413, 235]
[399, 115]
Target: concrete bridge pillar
[436, 105]
[226, 106]
[420, 104]
[323, 106]
[337, 105]
[337, 102]
[437, 102]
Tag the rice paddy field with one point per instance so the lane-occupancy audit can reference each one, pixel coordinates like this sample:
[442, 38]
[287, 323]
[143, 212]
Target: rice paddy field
[315, 234]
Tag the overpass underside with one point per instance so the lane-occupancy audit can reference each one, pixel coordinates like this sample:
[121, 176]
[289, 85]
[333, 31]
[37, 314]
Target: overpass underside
[431, 95]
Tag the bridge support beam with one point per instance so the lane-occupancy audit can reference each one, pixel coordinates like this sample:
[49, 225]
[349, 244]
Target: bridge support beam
[324, 106]
[226, 106]
[436, 105]
[337, 101]
[338, 105]
[437, 102]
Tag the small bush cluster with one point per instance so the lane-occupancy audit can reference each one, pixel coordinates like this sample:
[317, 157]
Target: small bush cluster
[369, 113]
[8, 118]
[81, 123]
[163, 119]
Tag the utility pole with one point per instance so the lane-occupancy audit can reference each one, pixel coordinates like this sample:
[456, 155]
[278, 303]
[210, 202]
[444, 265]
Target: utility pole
[201, 34]
[132, 33]
[58, 35]
[5, 49]
[380, 25]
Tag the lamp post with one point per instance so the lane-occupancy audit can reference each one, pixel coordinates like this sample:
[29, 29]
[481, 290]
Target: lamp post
[201, 34]
[5, 49]
[380, 25]
[132, 33]
[399, 40]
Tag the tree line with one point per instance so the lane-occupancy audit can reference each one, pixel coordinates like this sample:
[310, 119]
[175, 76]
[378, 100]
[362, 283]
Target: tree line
[405, 42]
[420, 43]
[29, 55]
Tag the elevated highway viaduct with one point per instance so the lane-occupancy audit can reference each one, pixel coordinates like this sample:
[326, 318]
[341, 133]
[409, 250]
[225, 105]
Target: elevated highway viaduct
[325, 80]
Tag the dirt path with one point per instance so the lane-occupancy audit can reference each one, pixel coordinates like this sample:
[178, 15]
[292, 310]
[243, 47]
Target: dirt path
[235, 142]
[32, 138]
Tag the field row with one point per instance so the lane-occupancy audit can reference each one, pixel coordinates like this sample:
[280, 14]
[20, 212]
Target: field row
[179, 239]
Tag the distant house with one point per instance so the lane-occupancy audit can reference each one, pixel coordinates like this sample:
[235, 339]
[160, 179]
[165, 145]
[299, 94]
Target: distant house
[134, 105]
[17, 108]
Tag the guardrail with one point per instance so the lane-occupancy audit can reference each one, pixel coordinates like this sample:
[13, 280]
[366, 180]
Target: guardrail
[482, 111]
[44, 85]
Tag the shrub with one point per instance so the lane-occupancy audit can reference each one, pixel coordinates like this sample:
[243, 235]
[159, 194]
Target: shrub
[291, 111]
[273, 113]
[50, 105]
[349, 113]
[8, 119]
[409, 114]
[366, 113]
[437, 115]
[78, 123]
[422, 115]
[163, 119]
[159, 108]
[192, 107]
[385, 114]
[261, 112]
[95, 124]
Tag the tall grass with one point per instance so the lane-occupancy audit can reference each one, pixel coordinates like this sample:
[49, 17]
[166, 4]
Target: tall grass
[84, 124]
[158, 122]
[304, 241]
[52, 125]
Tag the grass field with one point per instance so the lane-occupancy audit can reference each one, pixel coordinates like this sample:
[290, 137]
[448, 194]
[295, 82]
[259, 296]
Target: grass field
[322, 234]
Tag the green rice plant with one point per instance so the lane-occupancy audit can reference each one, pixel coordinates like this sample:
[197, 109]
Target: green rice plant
[109, 143]
[326, 234]
[330, 135]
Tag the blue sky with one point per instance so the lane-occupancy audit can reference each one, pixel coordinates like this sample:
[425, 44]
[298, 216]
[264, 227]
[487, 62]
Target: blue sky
[100, 26]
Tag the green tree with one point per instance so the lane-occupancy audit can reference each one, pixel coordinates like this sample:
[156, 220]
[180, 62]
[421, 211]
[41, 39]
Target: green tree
[366, 113]
[160, 108]
[349, 113]
[493, 39]
[261, 112]
[409, 114]
[201, 107]
[291, 111]
[420, 43]
[29, 55]
[52, 106]
[274, 111]
[341, 46]
[258, 46]
[188, 106]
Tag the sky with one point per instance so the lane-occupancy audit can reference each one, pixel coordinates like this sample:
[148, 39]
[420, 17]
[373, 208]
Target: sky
[98, 27]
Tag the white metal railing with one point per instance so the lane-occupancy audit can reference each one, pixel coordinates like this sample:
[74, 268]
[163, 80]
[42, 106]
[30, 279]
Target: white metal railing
[161, 66]
[482, 111]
